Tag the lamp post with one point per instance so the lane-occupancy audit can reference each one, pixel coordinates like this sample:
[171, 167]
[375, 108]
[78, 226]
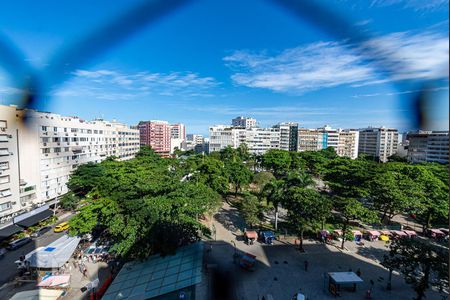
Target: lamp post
[389, 284]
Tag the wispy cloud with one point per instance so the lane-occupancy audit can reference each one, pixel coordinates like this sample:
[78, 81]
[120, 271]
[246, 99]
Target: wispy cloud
[411, 56]
[418, 5]
[437, 89]
[111, 84]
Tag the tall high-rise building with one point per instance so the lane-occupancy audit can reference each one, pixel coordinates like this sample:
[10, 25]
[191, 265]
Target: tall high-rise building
[288, 135]
[378, 142]
[156, 134]
[428, 146]
[177, 136]
[37, 158]
[243, 122]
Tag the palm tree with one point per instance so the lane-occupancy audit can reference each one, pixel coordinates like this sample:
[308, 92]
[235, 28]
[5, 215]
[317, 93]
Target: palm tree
[274, 192]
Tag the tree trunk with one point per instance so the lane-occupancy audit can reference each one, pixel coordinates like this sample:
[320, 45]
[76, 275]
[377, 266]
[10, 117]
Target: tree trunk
[344, 228]
[236, 189]
[276, 218]
[301, 241]
[423, 283]
[384, 216]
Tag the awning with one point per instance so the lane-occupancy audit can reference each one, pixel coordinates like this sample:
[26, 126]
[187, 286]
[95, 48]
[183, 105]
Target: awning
[40, 294]
[436, 231]
[410, 232]
[337, 231]
[385, 232]
[374, 232]
[8, 231]
[55, 281]
[356, 232]
[345, 277]
[35, 218]
[398, 232]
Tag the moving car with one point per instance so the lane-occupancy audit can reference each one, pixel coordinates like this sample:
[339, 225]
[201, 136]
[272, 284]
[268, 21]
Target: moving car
[40, 231]
[61, 227]
[18, 243]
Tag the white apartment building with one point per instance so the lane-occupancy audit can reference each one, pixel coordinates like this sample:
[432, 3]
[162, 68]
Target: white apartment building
[222, 136]
[195, 142]
[48, 147]
[258, 140]
[378, 142]
[288, 135]
[311, 140]
[428, 146]
[261, 140]
[177, 137]
[344, 141]
[243, 122]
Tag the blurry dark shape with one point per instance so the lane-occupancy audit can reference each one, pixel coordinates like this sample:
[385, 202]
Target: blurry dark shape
[82, 52]
[222, 285]
[102, 39]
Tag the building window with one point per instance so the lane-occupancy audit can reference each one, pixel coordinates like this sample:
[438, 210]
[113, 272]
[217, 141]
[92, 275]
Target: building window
[4, 152]
[5, 206]
[55, 129]
[4, 179]
[4, 165]
[45, 150]
[44, 128]
[3, 124]
[5, 193]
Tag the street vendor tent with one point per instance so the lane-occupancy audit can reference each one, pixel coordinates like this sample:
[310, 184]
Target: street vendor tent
[410, 233]
[338, 279]
[40, 294]
[54, 255]
[373, 233]
[398, 233]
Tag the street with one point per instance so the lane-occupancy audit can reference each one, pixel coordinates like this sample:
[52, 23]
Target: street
[7, 265]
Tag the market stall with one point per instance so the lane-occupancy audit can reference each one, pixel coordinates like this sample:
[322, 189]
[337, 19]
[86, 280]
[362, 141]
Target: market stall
[337, 234]
[373, 235]
[324, 235]
[337, 281]
[357, 235]
[398, 234]
[436, 233]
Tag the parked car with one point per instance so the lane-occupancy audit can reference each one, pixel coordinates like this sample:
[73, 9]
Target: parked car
[2, 252]
[40, 231]
[18, 243]
[61, 227]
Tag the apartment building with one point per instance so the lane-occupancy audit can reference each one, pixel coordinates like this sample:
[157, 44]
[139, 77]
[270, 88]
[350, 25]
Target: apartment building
[48, 147]
[260, 140]
[157, 135]
[177, 137]
[428, 146]
[288, 135]
[344, 141]
[379, 142]
[311, 140]
[195, 142]
[222, 136]
[243, 122]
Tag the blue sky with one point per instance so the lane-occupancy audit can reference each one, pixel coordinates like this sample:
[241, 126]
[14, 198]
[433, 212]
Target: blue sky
[210, 61]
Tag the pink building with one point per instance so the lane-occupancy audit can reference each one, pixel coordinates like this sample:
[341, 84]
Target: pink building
[156, 134]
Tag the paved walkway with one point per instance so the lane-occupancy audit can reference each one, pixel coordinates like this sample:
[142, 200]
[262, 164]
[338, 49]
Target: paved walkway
[280, 268]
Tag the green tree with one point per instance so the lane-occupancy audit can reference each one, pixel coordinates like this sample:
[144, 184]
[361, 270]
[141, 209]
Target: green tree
[393, 193]
[260, 179]
[85, 178]
[277, 161]
[250, 209]
[307, 209]
[274, 192]
[69, 201]
[238, 174]
[421, 263]
[351, 209]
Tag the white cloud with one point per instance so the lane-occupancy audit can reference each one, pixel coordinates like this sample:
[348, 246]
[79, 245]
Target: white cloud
[111, 84]
[401, 92]
[328, 64]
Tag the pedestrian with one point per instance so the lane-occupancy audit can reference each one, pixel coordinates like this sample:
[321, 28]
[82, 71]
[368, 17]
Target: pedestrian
[358, 272]
[85, 272]
[306, 265]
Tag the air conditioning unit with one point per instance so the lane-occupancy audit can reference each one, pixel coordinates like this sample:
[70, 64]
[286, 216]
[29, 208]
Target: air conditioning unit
[3, 129]
[46, 154]
[45, 144]
[10, 136]
[13, 203]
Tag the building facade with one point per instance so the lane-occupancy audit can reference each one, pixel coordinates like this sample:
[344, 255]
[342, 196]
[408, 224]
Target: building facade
[48, 147]
[288, 135]
[157, 135]
[261, 140]
[243, 122]
[344, 141]
[311, 140]
[378, 142]
[428, 146]
[222, 136]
